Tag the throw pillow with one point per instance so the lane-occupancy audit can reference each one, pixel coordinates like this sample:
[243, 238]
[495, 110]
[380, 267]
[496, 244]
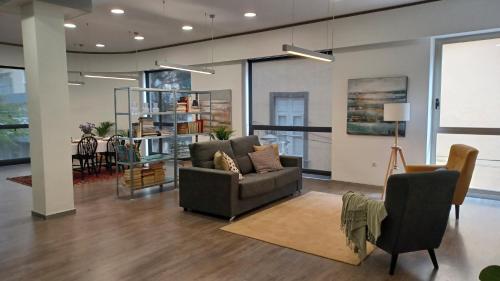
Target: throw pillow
[230, 165]
[265, 160]
[218, 160]
[262, 147]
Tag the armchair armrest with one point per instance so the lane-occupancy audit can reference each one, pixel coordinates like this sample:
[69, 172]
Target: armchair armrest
[208, 190]
[422, 168]
[293, 161]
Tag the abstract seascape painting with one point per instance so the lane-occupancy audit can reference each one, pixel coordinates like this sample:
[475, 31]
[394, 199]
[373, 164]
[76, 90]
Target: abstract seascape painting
[365, 105]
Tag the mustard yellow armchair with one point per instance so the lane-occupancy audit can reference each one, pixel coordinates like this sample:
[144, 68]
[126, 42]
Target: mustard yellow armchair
[462, 158]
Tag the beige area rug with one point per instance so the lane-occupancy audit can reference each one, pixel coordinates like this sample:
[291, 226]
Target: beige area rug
[309, 223]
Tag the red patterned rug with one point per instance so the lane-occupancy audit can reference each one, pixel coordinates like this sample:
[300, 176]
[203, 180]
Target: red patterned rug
[77, 179]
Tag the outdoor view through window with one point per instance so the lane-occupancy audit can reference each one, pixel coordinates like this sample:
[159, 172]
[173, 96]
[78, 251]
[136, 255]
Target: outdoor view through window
[14, 136]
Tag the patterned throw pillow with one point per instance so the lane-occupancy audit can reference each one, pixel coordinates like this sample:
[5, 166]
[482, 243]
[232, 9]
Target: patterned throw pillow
[218, 160]
[229, 165]
[265, 161]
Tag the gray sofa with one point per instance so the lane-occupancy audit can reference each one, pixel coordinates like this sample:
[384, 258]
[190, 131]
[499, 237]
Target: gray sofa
[204, 189]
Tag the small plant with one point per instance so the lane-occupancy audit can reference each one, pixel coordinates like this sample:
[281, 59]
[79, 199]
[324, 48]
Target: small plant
[221, 133]
[87, 128]
[104, 127]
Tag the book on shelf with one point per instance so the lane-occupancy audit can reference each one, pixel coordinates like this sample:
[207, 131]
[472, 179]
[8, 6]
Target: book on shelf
[194, 127]
[138, 177]
[147, 127]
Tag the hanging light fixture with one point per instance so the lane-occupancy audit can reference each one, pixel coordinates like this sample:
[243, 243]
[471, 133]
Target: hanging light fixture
[297, 51]
[111, 75]
[76, 83]
[181, 67]
[188, 68]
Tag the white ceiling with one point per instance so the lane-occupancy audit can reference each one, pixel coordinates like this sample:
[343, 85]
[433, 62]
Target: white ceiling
[162, 26]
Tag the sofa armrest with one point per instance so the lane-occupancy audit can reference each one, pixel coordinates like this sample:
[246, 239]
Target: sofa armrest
[208, 190]
[293, 161]
[422, 168]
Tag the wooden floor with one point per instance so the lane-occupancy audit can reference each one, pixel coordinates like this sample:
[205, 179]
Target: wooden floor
[151, 238]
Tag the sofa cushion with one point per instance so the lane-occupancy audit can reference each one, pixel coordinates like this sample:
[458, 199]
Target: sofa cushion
[241, 147]
[259, 184]
[202, 153]
[256, 184]
[286, 176]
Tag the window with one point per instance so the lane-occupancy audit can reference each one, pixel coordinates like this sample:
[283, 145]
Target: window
[466, 104]
[290, 104]
[14, 135]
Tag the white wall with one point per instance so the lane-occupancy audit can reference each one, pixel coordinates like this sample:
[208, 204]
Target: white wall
[352, 156]
[93, 102]
[226, 77]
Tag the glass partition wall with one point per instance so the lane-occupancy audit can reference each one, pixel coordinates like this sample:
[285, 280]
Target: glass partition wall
[14, 135]
[290, 104]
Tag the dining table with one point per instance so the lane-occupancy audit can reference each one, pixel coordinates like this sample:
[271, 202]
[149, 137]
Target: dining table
[101, 145]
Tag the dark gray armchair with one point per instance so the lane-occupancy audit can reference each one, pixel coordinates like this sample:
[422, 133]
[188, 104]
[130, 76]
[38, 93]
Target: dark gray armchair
[418, 206]
[205, 189]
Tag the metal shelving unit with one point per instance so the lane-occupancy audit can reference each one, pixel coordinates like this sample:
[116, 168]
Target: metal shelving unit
[128, 93]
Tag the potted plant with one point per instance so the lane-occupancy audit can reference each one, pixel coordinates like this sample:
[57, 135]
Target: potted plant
[87, 128]
[221, 133]
[103, 129]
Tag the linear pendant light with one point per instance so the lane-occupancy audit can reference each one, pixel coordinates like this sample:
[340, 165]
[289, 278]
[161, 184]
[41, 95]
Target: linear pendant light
[188, 68]
[297, 51]
[109, 77]
[185, 68]
[307, 53]
[76, 83]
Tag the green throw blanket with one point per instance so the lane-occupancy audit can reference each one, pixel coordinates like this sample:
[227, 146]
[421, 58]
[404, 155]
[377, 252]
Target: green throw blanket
[360, 220]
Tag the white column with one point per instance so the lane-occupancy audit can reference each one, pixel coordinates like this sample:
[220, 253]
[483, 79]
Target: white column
[48, 108]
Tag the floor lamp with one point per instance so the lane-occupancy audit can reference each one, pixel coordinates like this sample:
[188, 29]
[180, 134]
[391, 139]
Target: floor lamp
[395, 112]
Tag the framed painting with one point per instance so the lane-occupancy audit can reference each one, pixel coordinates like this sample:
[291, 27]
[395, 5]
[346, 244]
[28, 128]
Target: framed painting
[365, 105]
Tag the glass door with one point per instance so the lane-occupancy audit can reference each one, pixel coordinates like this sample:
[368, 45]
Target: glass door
[466, 104]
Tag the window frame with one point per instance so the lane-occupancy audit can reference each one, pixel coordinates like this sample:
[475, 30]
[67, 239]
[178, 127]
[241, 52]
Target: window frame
[435, 106]
[16, 161]
[305, 129]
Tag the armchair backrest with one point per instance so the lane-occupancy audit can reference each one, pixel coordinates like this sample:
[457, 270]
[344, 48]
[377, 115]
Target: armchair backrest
[418, 205]
[462, 158]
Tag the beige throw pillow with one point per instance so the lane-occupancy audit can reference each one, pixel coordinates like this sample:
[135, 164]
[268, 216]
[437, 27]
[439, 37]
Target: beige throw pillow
[229, 165]
[265, 160]
[218, 161]
[262, 147]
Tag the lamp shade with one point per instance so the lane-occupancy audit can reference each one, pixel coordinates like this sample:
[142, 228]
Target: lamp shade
[396, 112]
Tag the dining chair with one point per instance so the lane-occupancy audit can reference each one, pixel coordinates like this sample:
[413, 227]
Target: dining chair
[110, 154]
[86, 155]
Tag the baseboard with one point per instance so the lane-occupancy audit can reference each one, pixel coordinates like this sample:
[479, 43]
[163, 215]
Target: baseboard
[52, 216]
[381, 188]
[483, 194]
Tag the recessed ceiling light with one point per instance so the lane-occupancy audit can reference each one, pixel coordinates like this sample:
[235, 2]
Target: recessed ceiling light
[70, 25]
[498, 45]
[139, 37]
[100, 45]
[117, 11]
[250, 15]
[187, 27]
